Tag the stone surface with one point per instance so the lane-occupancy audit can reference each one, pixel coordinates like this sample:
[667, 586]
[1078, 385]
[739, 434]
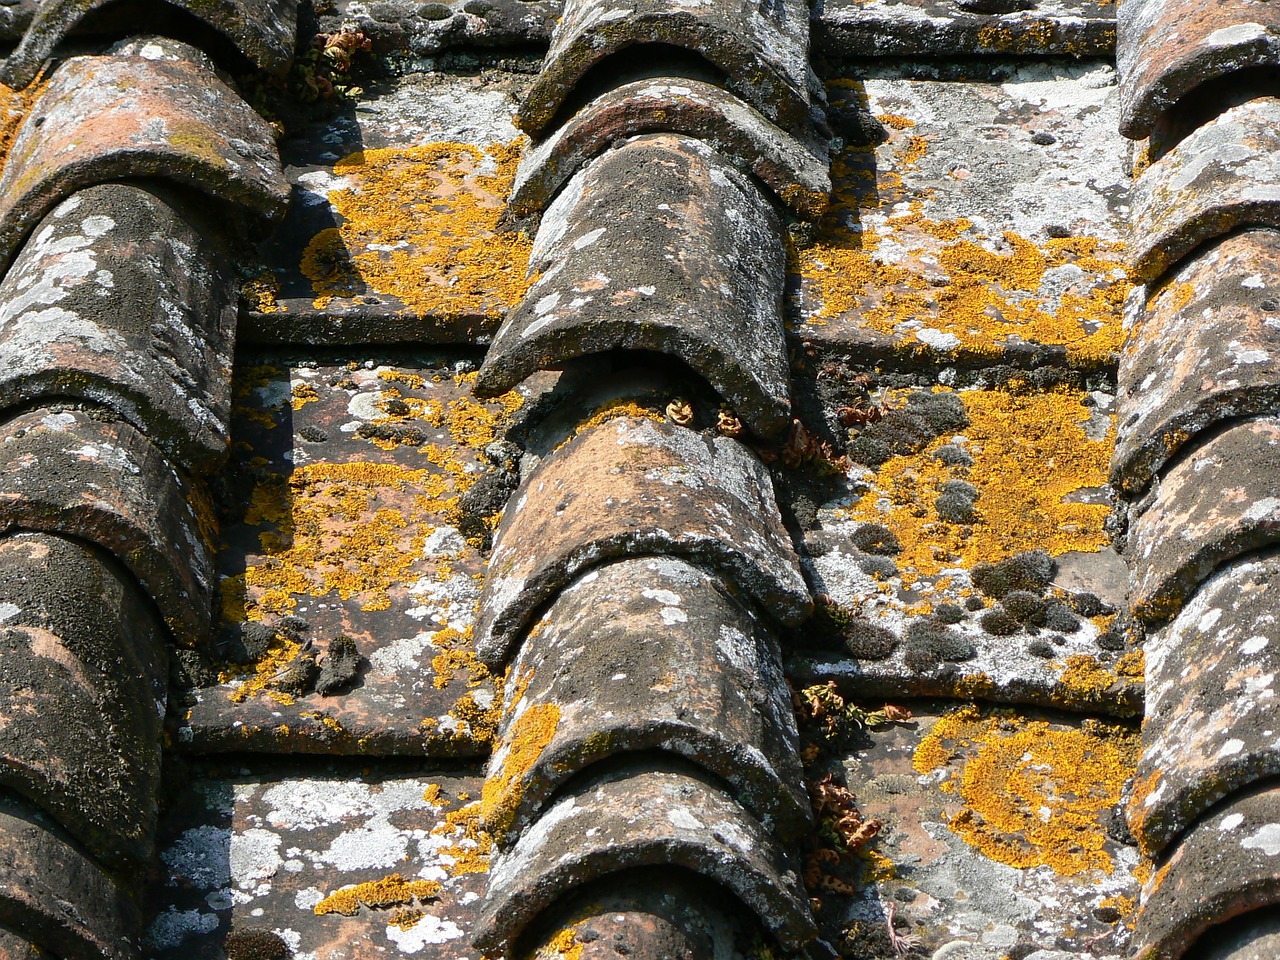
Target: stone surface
[1209, 725]
[261, 30]
[59, 898]
[659, 245]
[74, 474]
[651, 654]
[14, 946]
[1167, 48]
[638, 817]
[633, 487]
[1200, 352]
[1220, 500]
[104, 118]
[1224, 867]
[1224, 175]
[794, 169]
[854, 29]
[760, 51]
[84, 678]
[121, 298]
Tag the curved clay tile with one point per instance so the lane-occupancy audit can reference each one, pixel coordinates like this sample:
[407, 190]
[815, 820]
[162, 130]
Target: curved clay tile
[634, 487]
[122, 299]
[659, 245]
[1167, 48]
[631, 818]
[82, 666]
[109, 118]
[761, 48]
[263, 30]
[621, 663]
[78, 475]
[795, 170]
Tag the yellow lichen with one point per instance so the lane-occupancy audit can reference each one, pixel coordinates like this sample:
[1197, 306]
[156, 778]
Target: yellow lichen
[470, 846]
[502, 790]
[1030, 454]
[392, 890]
[421, 224]
[1032, 793]
[14, 106]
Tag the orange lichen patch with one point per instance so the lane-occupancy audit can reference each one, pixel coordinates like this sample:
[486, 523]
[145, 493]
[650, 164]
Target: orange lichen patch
[1033, 793]
[895, 121]
[502, 792]
[258, 675]
[302, 394]
[14, 106]
[452, 659]
[1090, 680]
[260, 293]
[353, 528]
[481, 722]
[392, 890]
[471, 844]
[900, 272]
[564, 945]
[406, 919]
[1030, 454]
[1132, 665]
[421, 224]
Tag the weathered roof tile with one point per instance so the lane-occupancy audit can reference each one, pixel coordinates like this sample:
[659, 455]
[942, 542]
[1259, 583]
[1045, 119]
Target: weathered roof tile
[1224, 867]
[761, 49]
[1167, 48]
[1200, 351]
[263, 30]
[60, 898]
[1219, 501]
[82, 666]
[660, 245]
[121, 299]
[794, 169]
[637, 817]
[1210, 726]
[1224, 175]
[74, 474]
[634, 487]
[108, 118]
[653, 654]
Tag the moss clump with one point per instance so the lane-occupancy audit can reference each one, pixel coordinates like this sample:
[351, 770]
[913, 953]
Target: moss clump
[951, 455]
[882, 568]
[1090, 605]
[1031, 571]
[929, 642]
[1025, 607]
[958, 502]
[948, 613]
[255, 945]
[868, 641]
[1041, 648]
[908, 429]
[998, 623]
[1058, 616]
[341, 667]
[876, 539]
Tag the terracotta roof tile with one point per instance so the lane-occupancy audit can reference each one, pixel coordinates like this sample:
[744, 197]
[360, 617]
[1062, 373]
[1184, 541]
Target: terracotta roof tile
[794, 169]
[105, 118]
[1201, 351]
[59, 895]
[121, 299]
[610, 278]
[263, 30]
[1223, 176]
[622, 658]
[1167, 48]
[72, 473]
[623, 819]
[761, 50]
[633, 487]
[83, 665]
[1210, 723]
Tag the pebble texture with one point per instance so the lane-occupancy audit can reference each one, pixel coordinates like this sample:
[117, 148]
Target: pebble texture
[120, 298]
[75, 474]
[759, 49]
[633, 487]
[1223, 176]
[1220, 501]
[660, 245]
[107, 118]
[59, 897]
[795, 170]
[1167, 48]
[654, 654]
[82, 694]
[1201, 351]
[630, 818]
[1224, 867]
[263, 30]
